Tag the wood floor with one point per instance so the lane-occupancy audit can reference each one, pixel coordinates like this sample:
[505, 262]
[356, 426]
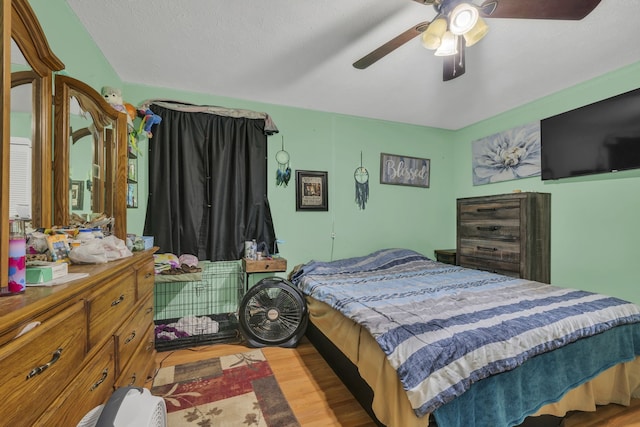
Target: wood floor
[318, 397]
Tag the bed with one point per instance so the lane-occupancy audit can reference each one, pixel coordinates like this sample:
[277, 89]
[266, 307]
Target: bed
[467, 347]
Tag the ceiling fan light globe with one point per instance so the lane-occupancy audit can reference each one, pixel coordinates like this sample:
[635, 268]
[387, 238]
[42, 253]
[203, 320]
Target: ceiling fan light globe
[463, 18]
[432, 36]
[476, 34]
[449, 45]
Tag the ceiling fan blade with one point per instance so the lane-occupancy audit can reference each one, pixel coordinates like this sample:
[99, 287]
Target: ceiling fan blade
[454, 65]
[538, 9]
[390, 46]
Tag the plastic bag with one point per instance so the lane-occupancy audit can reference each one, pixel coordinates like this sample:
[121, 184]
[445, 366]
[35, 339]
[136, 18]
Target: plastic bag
[89, 252]
[99, 251]
[115, 248]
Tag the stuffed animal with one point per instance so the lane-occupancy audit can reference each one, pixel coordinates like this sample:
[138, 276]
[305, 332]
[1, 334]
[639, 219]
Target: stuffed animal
[114, 97]
[149, 118]
[131, 111]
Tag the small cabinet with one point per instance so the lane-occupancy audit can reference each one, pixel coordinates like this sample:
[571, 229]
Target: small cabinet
[447, 256]
[507, 234]
[250, 266]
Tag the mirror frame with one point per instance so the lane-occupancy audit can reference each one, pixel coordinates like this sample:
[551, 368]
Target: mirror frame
[29, 77]
[30, 38]
[19, 22]
[5, 120]
[110, 152]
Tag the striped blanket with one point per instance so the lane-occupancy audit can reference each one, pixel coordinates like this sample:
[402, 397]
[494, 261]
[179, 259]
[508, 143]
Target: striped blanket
[445, 327]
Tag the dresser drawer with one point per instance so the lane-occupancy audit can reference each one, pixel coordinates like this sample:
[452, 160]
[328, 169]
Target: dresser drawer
[264, 265]
[145, 277]
[494, 266]
[39, 364]
[90, 389]
[141, 364]
[110, 306]
[447, 256]
[490, 249]
[491, 229]
[506, 233]
[497, 211]
[130, 335]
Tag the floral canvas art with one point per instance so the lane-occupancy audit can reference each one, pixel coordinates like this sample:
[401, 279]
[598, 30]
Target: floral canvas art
[507, 155]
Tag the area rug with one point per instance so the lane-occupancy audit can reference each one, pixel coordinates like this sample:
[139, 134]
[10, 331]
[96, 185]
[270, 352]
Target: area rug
[236, 390]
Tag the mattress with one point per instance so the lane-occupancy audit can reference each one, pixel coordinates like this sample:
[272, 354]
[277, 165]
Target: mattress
[471, 347]
[617, 384]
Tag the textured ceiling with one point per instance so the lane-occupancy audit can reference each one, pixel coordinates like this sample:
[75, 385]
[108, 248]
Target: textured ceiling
[300, 54]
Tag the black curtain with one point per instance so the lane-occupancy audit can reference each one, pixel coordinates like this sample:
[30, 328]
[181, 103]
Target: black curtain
[207, 185]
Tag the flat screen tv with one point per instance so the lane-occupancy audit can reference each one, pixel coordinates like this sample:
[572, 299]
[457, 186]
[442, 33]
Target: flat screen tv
[597, 138]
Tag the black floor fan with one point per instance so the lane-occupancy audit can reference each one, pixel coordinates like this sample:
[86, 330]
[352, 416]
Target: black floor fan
[273, 313]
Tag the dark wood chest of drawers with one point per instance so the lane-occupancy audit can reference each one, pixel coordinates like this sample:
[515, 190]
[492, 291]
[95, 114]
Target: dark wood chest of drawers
[507, 234]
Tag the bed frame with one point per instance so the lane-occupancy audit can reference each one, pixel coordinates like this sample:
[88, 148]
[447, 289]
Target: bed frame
[348, 374]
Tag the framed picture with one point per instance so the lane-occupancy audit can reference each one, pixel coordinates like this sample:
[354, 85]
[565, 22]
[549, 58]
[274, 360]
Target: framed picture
[404, 170]
[77, 195]
[507, 155]
[132, 195]
[311, 191]
[132, 173]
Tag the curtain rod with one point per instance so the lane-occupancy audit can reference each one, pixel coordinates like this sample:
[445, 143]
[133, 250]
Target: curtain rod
[270, 127]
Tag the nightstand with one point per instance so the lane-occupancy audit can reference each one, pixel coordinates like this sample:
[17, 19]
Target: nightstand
[250, 266]
[448, 256]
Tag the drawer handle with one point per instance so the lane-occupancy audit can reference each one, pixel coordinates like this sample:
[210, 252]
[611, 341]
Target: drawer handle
[95, 385]
[118, 301]
[149, 310]
[130, 337]
[484, 248]
[491, 228]
[146, 276]
[42, 368]
[486, 210]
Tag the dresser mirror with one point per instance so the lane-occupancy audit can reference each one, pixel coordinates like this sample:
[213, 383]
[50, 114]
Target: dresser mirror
[90, 148]
[21, 148]
[85, 174]
[32, 66]
[28, 67]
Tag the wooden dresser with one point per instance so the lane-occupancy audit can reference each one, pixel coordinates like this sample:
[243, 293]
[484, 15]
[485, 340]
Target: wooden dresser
[93, 335]
[507, 234]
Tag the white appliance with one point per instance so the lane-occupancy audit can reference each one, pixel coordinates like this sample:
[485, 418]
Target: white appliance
[20, 177]
[128, 407]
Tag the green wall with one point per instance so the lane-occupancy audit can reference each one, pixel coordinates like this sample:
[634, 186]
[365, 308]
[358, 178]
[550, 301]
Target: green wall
[594, 230]
[72, 44]
[395, 216]
[594, 220]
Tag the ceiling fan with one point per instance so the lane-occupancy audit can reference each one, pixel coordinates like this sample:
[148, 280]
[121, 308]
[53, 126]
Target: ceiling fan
[459, 24]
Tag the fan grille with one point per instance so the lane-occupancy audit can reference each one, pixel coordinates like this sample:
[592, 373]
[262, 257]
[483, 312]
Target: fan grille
[273, 313]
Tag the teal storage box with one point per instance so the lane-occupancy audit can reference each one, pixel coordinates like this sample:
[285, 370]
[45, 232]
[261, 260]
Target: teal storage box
[46, 272]
[148, 242]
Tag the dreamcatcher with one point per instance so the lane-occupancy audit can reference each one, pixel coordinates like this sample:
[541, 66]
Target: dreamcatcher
[361, 176]
[283, 174]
